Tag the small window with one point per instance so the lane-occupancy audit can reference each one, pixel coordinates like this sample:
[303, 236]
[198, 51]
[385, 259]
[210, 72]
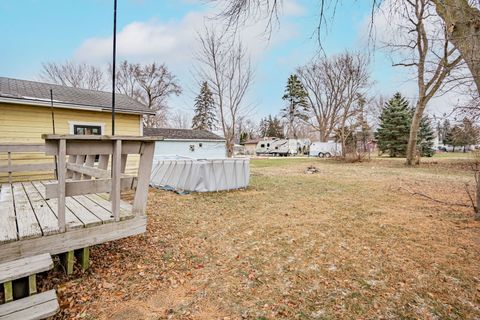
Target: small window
[192, 147]
[268, 145]
[87, 129]
[262, 146]
[200, 145]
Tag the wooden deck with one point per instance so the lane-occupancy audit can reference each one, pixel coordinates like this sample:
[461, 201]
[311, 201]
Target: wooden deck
[29, 222]
[26, 213]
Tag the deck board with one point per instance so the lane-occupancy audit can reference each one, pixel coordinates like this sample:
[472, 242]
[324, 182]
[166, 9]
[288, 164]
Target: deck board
[125, 208]
[45, 216]
[102, 213]
[72, 221]
[8, 225]
[27, 223]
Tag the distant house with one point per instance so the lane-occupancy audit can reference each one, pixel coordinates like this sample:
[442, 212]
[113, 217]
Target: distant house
[187, 143]
[26, 112]
[250, 146]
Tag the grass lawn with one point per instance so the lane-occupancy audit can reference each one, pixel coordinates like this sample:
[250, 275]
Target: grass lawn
[349, 242]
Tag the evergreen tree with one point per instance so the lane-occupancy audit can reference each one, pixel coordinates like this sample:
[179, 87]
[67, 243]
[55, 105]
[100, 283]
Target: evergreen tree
[426, 137]
[394, 128]
[271, 127]
[205, 118]
[297, 106]
[446, 133]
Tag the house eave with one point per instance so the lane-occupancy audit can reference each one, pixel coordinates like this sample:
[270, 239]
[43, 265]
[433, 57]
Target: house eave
[65, 105]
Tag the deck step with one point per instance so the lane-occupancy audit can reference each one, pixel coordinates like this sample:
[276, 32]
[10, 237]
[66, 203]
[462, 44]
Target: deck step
[25, 267]
[38, 306]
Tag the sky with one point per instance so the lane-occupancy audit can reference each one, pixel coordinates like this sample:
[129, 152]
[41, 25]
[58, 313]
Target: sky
[39, 31]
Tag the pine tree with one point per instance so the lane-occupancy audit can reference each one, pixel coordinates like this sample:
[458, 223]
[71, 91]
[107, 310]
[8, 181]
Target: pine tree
[204, 118]
[297, 106]
[426, 137]
[394, 128]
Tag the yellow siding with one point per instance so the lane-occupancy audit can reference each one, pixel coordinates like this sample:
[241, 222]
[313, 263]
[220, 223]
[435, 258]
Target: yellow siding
[26, 124]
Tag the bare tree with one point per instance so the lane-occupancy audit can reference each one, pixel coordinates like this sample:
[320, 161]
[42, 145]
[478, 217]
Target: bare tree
[334, 86]
[150, 84]
[180, 120]
[426, 49]
[461, 18]
[71, 74]
[225, 65]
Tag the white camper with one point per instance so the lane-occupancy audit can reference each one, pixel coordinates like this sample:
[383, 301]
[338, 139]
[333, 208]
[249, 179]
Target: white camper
[325, 149]
[282, 147]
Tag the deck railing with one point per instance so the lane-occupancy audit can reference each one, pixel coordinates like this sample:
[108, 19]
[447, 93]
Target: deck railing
[13, 166]
[97, 164]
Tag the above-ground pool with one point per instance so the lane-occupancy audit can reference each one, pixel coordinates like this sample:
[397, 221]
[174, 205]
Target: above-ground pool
[201, 175]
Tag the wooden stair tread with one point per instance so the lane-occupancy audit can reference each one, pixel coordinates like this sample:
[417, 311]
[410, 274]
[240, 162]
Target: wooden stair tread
[37, 306]
[25, 267]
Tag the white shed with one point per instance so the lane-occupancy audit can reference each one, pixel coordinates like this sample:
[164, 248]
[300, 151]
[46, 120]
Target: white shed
[187, 143]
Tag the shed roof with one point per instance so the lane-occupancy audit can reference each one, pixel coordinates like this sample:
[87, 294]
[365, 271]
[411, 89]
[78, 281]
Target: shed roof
[38, 94]
[181, 134]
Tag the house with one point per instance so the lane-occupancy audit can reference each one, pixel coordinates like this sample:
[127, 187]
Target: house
[26, 114]
[187, 143]
[61, 185]
[251, 146]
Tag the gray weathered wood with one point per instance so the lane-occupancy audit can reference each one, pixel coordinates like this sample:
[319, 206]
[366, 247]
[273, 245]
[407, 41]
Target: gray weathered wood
[89, 171]
[8, 224]
[22, 147]
[9, 164]
[74, 239]
[103, 161]
[75, 147]
[89, 163]
[35, 307]
[116, 174]
[24, 267]
[71, 220]
[94, 208]
[82, 187]
[61, 185]
[45, 216]
[71, 160]
[27, 224]
[144, 171]
[79, 163]
[125, 208]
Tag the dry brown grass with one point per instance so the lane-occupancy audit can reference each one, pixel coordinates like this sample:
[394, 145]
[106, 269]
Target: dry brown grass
[346, 243]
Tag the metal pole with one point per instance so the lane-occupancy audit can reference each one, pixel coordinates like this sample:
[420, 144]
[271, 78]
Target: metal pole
[53, 129]
[114, 62]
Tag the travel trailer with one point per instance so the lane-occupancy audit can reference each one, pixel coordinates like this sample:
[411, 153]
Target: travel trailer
[325, 149]
[282, 147]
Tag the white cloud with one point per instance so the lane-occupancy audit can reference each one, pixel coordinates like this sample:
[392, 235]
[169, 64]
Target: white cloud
[175, 42]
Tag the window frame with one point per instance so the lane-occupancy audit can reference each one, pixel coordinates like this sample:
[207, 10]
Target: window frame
[72, 125]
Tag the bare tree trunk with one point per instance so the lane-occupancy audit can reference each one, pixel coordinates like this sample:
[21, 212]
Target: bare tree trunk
[414, 127]
[463, 29]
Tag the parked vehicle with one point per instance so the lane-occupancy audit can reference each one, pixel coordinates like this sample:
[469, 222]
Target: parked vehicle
[325, 149]
[282, 147]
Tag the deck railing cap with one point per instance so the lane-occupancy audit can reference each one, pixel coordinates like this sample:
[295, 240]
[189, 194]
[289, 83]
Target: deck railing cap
[98, 138]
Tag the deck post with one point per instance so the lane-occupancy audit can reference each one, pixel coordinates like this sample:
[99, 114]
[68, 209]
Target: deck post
[32, 284]
[116, 174]
[62, 149]
[68, 258]
[9, 165]
[144, 172]
[83, 256]
[8, 291]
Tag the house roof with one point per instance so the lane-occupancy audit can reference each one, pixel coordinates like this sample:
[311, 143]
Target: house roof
[252, 141]
[38, 94]
[181, 134]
